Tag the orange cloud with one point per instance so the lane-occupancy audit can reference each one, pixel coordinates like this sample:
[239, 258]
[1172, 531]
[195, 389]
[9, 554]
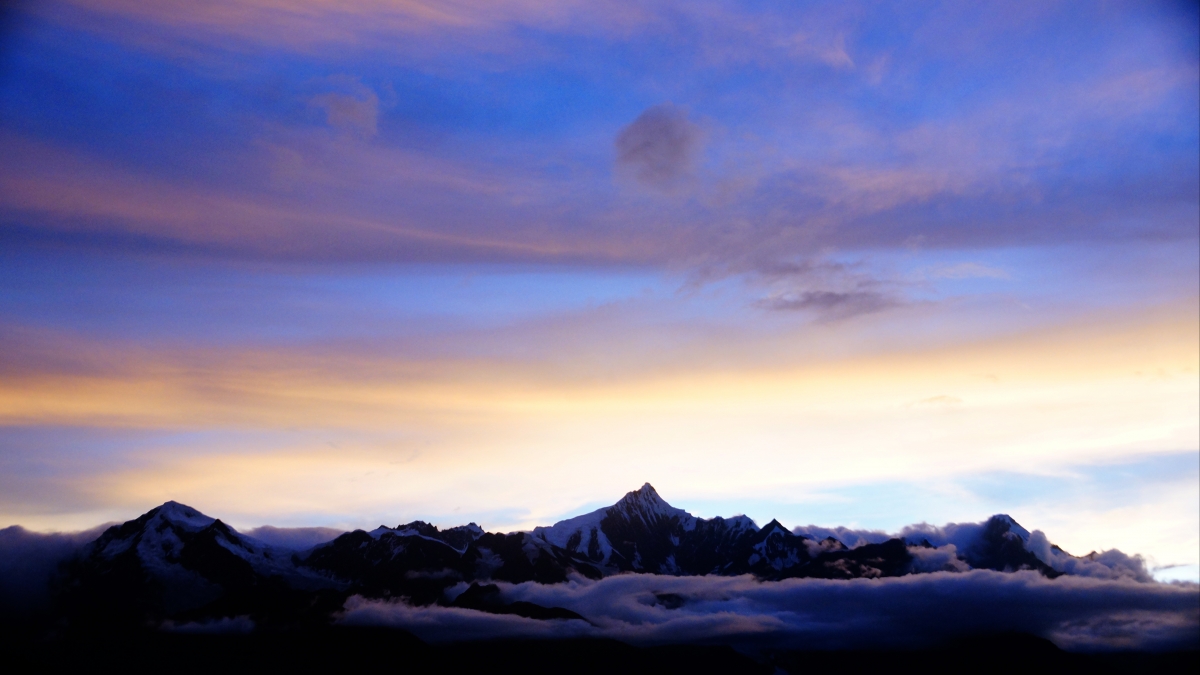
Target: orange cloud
[364, 430]
[371, 388]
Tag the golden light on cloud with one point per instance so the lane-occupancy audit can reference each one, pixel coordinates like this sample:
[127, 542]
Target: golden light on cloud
[372, 434]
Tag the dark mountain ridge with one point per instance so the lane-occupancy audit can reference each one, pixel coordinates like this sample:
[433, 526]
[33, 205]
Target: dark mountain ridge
[176, 563]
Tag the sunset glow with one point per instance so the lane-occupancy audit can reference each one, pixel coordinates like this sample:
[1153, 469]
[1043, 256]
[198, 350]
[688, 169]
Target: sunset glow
[343, 264]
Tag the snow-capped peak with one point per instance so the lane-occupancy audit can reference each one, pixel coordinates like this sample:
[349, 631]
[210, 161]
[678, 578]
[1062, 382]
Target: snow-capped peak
[457, 538]
[584, 534]
[181, 515]
[646, 504]
[645, 496]
[775, 528]
[1013, 526]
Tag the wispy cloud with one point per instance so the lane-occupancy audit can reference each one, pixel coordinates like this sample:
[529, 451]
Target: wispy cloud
[794, 163]
[967, 270]
[830, 303]
[347, 427]
[73, 197]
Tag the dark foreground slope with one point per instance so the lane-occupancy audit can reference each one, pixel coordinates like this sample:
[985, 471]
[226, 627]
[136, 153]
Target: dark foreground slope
[352, 650]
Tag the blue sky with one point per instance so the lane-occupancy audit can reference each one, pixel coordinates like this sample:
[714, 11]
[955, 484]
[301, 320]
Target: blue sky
[536, 255]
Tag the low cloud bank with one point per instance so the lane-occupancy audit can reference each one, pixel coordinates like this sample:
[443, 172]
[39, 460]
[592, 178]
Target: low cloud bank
[28, 561]
[849, 537]
[914, 611]
[294, 538]
[1110, 564]
[963, 538]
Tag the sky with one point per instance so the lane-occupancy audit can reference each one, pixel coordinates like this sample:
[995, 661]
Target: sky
[865, 264]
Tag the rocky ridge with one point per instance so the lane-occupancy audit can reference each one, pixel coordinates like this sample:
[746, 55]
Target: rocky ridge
[176, 563]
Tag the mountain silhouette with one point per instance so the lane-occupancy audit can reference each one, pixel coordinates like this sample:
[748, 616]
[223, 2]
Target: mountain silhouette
[175, 562]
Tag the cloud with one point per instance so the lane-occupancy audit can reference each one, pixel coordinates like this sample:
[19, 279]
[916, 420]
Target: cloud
[450, 624]
[1111, 564]
[422, 29]
[806, 159]
[968, 270]
[830, 303]
[850, 537]
[660, 146]
[352, 107]
[293, 538]
[940, 559]
[58, 196]
[912, 611]
[953, 538]
[218, 419]
[819, 284]
[225, 625]
[29, 561]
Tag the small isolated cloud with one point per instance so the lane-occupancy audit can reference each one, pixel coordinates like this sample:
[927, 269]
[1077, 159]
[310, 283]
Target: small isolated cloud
[829, 49]
[226, 625]
[1176, 574]
[910, 611]
[836, 304]
[940, 559]
[967, 270]
[659, 147]
[351, 107]
[821, 285]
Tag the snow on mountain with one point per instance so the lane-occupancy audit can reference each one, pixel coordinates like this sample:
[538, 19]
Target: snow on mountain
[174, 559]
[643, 533]
[1013, 526]
[645, 505]
[581, 534]
[640, 532]
[740, 522]
[777, 548]
[193, 556]
[998, 543]
[641, 521]
[457, 537]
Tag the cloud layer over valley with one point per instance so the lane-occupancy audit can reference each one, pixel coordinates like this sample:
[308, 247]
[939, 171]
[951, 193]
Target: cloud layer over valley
[904, 612]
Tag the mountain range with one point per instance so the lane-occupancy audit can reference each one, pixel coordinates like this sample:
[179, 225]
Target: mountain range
[175, 563]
